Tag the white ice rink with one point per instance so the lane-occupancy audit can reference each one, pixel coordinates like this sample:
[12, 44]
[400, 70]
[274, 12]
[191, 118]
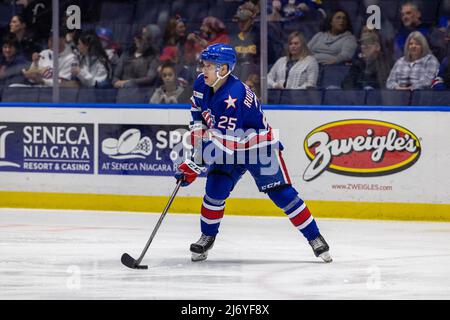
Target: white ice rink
[76, 255]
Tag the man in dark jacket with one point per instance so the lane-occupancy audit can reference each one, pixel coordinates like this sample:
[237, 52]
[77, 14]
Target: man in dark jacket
[371, 69]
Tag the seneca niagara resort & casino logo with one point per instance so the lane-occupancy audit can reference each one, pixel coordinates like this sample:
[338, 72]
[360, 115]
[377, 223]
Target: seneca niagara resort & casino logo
[360, 147]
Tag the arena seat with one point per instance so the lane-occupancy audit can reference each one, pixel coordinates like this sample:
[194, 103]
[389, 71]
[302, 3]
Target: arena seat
[134, 95]
[66, 95]
[150, 11]
[333, 75]
[1, 93]
[20, 94]
[118, 12]
[301, 97]
[274, 96]
[388, 98]
[192, 10]
[344, 97]
[430, 98]
[92, 95]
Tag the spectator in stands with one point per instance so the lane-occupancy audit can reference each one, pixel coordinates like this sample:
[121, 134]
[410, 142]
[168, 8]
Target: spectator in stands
[175, 35]
[283, 10]
[41, 69]
[94, 69]
[371, 69]
[111, 48]
[186, 74]
[298, 70]
[212, 31]
[411, 21]
[137, 67]
[440, 38]
[442, 81]
[335, 44]
[26, 42]
[246, 42]
[417, 68]
[37, 15]
[11, 62]
[170, 91]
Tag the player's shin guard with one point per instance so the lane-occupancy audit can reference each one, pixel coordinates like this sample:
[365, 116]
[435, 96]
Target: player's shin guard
[296, 210]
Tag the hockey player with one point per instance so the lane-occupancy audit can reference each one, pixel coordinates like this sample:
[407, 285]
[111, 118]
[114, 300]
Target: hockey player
[222, 108]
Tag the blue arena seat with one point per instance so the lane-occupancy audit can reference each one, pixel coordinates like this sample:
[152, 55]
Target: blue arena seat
[149, 12]
[333, 75]
[66, 95]
[134, 95]
[6, 12]
[192, 10]
[301, 97]
[388, 98]
[20, 94]
[118, 12]
[224, 10]
[430, 98]
[92, 95]
[1, 93]
[274, 96]
[344, 97]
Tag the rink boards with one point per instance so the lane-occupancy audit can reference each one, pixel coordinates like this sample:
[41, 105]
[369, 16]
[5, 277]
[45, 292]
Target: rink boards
[347, 162]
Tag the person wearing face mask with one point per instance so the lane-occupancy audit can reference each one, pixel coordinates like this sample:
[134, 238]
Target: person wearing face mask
[417, 68]
[371, 68]
[336, 43]
[170, 91]
[297, 70]
[138, 67]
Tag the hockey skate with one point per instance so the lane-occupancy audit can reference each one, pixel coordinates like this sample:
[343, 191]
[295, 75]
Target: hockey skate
[201, 247]
[321, 248]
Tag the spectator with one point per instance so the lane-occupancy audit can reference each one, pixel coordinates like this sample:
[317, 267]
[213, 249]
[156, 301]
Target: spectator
[291, 9]
[175, 35]
[440, 38]
[246, 42]
[411, 21]
[170, 91]
[371, 69]
[27, 45]
[417, 68]
[37, 14]
[137, 67]
[95, 69]
[442, 81]
[111, 48]
[298, 70]
[212, 31]
[11, 62]
[335, 43]
[41, 69]
[186, 74]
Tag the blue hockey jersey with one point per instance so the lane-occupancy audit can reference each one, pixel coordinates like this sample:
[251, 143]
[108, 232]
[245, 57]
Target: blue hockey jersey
[233, 114]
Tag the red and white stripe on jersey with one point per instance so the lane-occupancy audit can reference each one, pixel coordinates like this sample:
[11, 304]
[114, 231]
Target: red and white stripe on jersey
[283, 167]
[232, 143]
[194, 106]
[301, 217]
[211, 214]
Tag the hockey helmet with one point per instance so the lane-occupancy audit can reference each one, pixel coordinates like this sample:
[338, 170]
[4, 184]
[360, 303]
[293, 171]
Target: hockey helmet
[220, 53]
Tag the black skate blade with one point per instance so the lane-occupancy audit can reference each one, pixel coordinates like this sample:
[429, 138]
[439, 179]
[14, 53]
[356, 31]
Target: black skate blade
[131, 263]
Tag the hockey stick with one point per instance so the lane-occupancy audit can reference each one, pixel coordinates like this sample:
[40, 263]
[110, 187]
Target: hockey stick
[127, 260]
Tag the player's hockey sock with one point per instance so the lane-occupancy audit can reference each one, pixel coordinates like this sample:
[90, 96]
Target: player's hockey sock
[296, 210]
[211, 215]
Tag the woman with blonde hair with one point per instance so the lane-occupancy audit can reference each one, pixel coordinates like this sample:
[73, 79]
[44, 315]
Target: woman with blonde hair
[417, 68]
[298, 69]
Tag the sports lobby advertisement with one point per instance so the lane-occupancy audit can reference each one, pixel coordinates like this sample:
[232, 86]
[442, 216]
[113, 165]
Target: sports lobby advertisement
[140, 149]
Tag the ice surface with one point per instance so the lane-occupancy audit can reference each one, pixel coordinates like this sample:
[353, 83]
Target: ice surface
[76, 255]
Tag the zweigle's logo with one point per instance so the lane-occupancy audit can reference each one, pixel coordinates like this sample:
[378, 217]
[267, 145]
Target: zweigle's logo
[364, 148]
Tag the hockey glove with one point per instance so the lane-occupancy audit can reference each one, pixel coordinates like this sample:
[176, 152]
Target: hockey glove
[188, 172]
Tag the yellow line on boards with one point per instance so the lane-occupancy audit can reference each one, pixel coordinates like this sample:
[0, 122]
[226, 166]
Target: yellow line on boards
[248, 207]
